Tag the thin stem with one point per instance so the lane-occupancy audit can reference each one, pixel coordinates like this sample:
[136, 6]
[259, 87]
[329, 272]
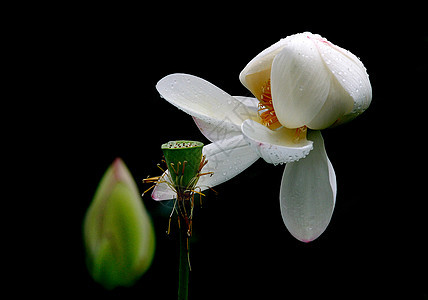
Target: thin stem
[183, 272]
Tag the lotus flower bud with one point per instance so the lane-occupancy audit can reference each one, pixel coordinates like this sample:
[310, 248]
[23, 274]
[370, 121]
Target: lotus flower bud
[118, 232]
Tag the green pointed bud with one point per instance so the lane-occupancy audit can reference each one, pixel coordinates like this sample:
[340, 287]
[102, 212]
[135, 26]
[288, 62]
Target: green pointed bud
[183, 159]
[118, 232]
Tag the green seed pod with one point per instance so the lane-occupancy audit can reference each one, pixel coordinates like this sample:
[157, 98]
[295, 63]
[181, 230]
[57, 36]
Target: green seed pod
[183, 159]
[118, 232]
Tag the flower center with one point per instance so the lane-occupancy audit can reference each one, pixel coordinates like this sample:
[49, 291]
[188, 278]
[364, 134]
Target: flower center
[266, 110]
[268, 115]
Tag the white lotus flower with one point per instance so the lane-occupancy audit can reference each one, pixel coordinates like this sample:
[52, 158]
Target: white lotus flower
[301, 82]
[313, 82]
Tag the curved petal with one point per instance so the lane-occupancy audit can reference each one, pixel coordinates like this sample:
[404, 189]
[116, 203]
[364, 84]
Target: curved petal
[308, 193]
[257, 71]
[226, 159]
[275, 147]
[332, 178]
[163, 190]
[349, 72]
[300, 82]
[202, 100]
[337, 104]
[251, 104]
[216, 132]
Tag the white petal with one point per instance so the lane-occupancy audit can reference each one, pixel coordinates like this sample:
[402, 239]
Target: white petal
[251, 105]
[275, 147]
[226, 158]
[351, 74]
[332, 178]
[300, 82]
[308, 193]
[217, 132]
[337, 104]
[162, 190]
[202, 100]
[257, 71]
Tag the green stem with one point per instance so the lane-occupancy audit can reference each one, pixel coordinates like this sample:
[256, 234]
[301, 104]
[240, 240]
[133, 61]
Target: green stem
[183, 272]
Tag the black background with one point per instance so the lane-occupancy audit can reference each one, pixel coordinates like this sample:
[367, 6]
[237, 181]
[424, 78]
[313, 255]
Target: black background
[92, 73]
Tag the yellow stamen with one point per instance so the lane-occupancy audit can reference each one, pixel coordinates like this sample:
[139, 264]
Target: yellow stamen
[300, 134]
[266, 110]
[207, 173]
[151, 179]
[178, 167]
[184, 165]
[147, 189]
